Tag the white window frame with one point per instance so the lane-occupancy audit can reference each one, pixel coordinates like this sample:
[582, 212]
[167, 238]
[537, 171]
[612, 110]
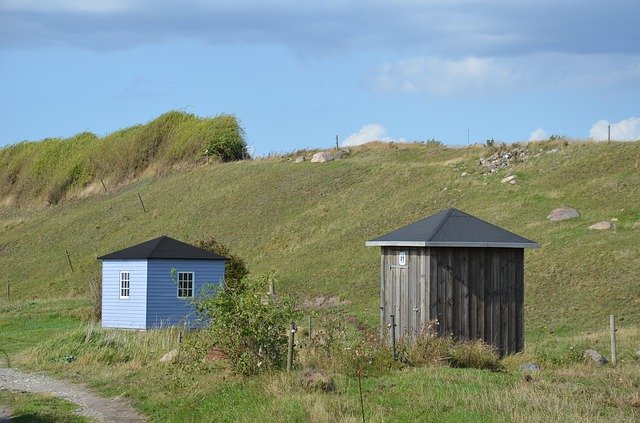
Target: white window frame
[125, 289]
[402, 257]
[180, 288]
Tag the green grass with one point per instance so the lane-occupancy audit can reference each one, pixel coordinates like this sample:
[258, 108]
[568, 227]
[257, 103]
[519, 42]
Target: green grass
[308, 222]
[38, 408]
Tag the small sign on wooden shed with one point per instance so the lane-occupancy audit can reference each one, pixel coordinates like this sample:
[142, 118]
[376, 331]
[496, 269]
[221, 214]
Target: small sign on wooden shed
[457, 271]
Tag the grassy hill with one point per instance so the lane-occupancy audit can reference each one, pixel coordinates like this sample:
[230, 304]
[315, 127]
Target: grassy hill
[308, 223]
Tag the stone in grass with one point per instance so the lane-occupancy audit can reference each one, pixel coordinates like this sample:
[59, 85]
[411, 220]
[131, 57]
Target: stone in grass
[602, 226]
[530, 367]
[594, 356]
[563, 213]
[299, 159]
[168, 357]
[321, 157]
[510, 179]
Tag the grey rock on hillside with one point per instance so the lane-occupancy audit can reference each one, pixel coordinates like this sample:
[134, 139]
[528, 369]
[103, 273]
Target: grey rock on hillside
[563, 213]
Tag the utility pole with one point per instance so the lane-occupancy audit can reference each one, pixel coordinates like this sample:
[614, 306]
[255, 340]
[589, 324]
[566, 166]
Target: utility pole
[337, 143]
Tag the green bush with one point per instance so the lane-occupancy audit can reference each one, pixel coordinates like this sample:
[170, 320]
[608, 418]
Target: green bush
[235, 269]
[248, 325]
[226, 139]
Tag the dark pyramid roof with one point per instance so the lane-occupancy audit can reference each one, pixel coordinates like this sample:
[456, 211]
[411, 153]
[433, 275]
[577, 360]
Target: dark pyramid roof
[452, 228]
[163, 248]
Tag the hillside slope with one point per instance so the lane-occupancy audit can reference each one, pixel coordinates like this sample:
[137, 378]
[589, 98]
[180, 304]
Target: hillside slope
[308, 222]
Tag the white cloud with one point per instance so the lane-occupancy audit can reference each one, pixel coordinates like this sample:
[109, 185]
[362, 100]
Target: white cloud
[624, 130]
[539, 135]
[444, 77]
[368, 133]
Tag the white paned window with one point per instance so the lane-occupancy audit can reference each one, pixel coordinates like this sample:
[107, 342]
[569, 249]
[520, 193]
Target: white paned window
[185, 284]
[125, 280]
[402, 258]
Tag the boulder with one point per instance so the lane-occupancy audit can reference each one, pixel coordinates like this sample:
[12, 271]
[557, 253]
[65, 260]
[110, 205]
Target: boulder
[321, 157]
[299, 159]
[563, 213]
[594, 356]
[168, 357]
[510, 179]
[338, 155]
[602, 225]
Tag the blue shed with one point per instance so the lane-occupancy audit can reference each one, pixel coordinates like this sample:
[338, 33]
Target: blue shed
[150, 285]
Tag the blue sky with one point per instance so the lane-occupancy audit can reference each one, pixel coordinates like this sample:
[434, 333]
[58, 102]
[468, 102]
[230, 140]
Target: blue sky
[298, 72]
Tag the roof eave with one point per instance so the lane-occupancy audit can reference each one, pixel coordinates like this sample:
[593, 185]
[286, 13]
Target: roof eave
[452, 244]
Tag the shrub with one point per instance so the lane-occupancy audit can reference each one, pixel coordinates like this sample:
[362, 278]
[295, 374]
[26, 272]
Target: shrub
[475, 355]
[95, 296]
[226, 141]
[249, 326]
[235, 269]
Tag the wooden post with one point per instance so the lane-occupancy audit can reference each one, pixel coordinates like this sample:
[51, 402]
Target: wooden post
[180, 337]
[292, 332]
[337, 147]
[608, 133]
[69, 259]
[359, 374]
[272, 290]
[393, 336]
[143, 207]
[614, 347]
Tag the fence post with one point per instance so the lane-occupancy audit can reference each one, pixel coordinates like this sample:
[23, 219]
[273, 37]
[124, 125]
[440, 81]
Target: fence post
[69, 259]
[614, 347]
[144, 209]
[292, 332]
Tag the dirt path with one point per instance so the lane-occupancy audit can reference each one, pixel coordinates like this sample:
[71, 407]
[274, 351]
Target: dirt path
[101, 409]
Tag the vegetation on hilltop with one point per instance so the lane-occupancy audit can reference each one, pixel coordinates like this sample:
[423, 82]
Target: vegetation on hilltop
[48, 170]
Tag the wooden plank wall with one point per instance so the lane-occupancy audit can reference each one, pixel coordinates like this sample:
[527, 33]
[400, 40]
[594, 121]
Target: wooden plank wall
[474, 293]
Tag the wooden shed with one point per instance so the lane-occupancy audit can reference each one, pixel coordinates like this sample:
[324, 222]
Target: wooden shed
[150, 285]
[458, 273]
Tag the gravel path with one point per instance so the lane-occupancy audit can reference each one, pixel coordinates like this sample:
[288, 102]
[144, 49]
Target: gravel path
[101, 409]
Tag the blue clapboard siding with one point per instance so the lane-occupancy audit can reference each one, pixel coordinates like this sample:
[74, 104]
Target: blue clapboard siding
[124, 313]
[164, 308]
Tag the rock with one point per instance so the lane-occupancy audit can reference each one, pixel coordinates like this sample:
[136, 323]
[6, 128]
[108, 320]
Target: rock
[464, 174]
[321, 157]
[168, 357]
[338, 155]
[614, 219]
[530, 367]
[602, 226]
[510, 179]
[594, 356]
[299, 159]
[638, 353]
[503, 159]
[563, 213]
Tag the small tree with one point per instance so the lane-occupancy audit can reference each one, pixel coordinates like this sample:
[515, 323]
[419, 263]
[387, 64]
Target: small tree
[234, 268]
[248, 325]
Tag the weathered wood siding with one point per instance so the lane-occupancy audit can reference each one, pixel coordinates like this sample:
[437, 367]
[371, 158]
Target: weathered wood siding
[472, 293]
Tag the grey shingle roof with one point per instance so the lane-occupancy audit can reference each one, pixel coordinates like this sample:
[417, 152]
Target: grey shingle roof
[452, 228]
[162, 248]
